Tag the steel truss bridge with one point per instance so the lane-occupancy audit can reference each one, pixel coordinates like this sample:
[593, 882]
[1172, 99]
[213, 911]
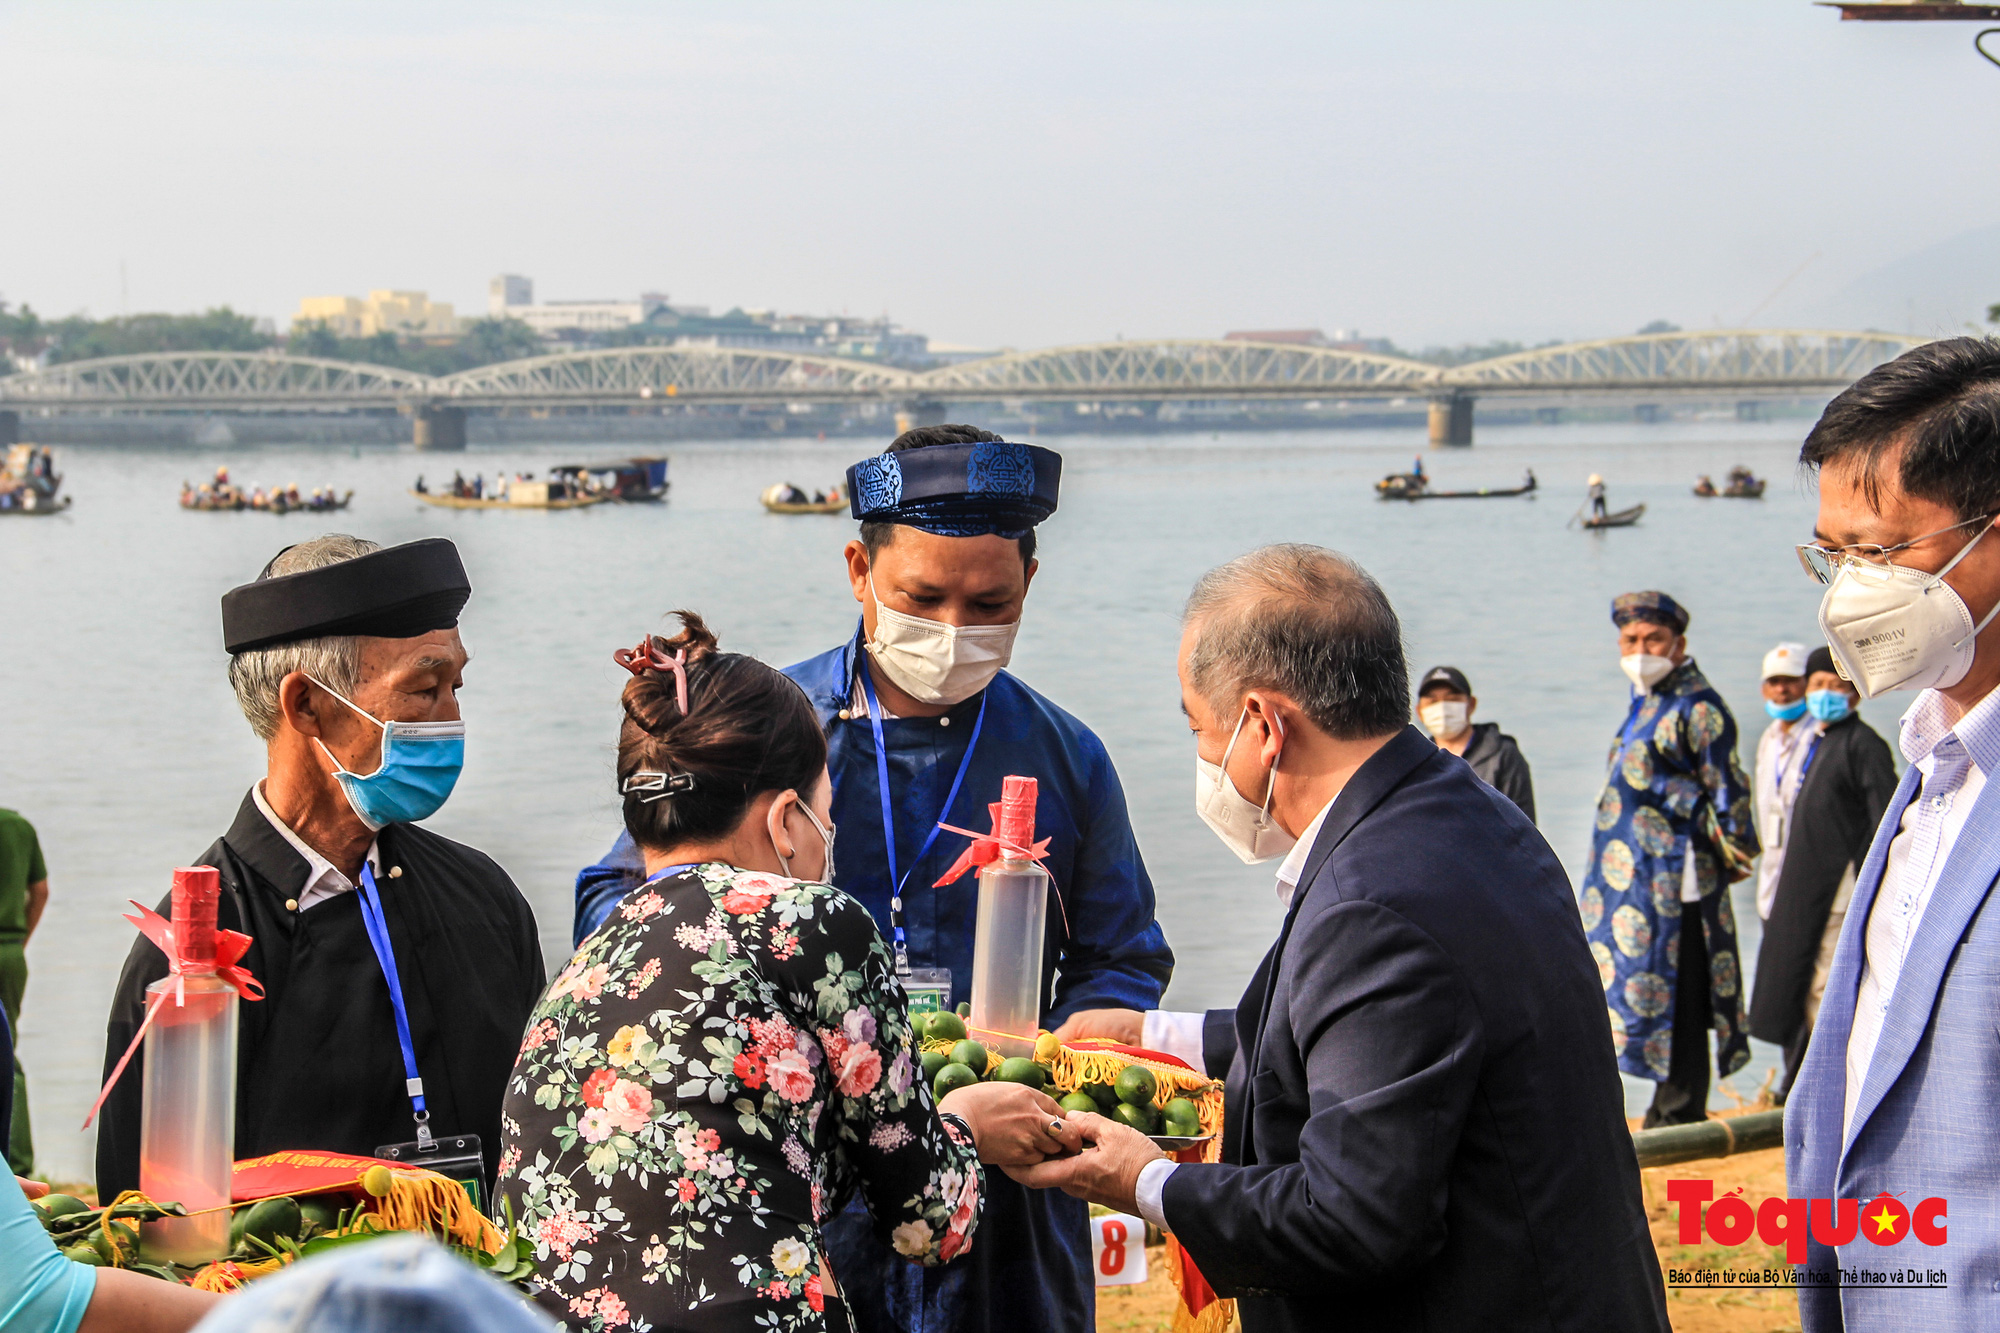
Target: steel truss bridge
[1736, 363]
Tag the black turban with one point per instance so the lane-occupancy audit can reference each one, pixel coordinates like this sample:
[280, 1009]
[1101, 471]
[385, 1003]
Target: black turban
[395, 593]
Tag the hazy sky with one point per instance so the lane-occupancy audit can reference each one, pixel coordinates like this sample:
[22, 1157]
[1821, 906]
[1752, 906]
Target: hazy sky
[1007, 173]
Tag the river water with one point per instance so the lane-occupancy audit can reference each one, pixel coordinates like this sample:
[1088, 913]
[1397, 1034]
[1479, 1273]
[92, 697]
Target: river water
[124, 746]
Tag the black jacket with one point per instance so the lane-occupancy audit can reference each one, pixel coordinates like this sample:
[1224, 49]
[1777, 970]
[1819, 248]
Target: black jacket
[1497, 760]
[1847, 787]
[317, 1061]
[1425, 1127]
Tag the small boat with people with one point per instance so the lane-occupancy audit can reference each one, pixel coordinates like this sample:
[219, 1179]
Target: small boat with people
[30, 486]
[633, 480]
[520, 491]
[785, 498]
[221, 495]
[1617, 518]
[1741, 484]
[1414, 486]
[1594, 513]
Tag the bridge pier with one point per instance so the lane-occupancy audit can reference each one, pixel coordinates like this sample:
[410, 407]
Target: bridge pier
[1750, 409]
[1451, 418]
[439, 429]
[919, 412]
[10, 428]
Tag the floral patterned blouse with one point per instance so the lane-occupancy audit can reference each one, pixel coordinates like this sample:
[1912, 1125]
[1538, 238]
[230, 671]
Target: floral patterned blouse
[718, 1069]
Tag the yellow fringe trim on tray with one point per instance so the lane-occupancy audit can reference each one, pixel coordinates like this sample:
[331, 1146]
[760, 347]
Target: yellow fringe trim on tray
[420, 1200]
[1218, 1316]
[226, 1275]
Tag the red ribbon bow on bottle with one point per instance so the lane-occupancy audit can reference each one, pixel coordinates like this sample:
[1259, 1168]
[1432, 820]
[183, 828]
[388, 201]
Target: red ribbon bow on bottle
[987, 848]
[207, 949]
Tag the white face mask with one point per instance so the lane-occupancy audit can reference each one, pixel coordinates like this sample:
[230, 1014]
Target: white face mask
[825, 832]
[1244, 826]
[1445, 718]
[937, 663]
[1892, 628]
[1645, 669]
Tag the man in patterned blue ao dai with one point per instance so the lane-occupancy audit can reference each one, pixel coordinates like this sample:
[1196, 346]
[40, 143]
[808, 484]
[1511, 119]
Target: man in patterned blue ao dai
[1674, 830]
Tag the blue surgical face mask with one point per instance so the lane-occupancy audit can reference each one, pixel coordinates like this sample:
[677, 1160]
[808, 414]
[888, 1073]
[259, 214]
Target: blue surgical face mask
[1790, 712]
[1828, 706]
[420, 765]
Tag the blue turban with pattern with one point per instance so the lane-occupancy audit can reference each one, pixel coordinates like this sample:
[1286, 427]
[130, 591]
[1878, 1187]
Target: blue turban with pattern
[958, 490]
[1655, 608]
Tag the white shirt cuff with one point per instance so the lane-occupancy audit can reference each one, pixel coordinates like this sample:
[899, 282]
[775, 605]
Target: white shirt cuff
[1151, 1190]
[1175, 1034]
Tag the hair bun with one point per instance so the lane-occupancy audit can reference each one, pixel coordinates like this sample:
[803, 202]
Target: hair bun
[695, 637]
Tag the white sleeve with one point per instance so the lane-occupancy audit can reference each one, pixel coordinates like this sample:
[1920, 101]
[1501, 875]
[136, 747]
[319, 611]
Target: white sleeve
[1174, 1034]
[1151, 1190]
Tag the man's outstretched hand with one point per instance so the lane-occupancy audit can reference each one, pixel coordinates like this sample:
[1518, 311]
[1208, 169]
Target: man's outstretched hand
[1106, 1171]
[1125, 1026]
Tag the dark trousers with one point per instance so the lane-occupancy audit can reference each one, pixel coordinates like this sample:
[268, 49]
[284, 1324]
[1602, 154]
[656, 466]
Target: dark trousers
[1683, 1098]
[1795, 1055]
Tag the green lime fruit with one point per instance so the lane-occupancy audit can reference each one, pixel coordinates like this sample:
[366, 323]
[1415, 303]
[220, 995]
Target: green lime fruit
[945, 1026]
[273, 1218]
[1136, 1085]
[1138, 1117]
[52, 1206]
[321, 1212]
[1180, 1108]
[1079, 1101]
[237, 1221]
[1019, 1069]
[83, 1252]
[965, 1008]
[1102, 1094]
[951, 1078]
[972, 1055]
[932, 1062]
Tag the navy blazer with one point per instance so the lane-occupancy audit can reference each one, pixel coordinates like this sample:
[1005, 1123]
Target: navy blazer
[1425, 1125]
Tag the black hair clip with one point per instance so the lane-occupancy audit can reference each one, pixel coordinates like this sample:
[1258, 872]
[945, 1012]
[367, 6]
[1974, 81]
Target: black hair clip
[659, 784]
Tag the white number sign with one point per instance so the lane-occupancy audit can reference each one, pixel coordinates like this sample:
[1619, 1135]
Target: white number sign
[1118, 1249]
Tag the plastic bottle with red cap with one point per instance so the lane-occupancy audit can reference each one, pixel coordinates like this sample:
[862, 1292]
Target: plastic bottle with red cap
[1010, 929]
[187, 1124]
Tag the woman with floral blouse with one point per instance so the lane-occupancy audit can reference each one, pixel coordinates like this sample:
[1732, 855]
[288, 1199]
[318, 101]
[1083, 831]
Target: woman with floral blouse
[729, 1057]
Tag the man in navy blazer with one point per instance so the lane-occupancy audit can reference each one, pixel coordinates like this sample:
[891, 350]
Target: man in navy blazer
[1899, 1093]
[1425, 1127]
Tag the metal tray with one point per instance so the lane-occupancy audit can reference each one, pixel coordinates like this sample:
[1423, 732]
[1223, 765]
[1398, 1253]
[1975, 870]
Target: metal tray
[1176, 1142]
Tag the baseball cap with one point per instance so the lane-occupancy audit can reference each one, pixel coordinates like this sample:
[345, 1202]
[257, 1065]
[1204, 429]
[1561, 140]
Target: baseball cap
[1787, 659]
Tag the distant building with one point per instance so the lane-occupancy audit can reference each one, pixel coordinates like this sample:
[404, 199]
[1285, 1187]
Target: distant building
[1340, 340]
[652, 318]
[508, 289]
[1304, 337]
[406, 314]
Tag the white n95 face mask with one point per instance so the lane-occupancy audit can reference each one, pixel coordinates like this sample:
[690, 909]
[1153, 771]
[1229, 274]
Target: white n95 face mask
[1444, 718]
[1892, 628]
[1244, 826]
[1646, 669]
[934, 662]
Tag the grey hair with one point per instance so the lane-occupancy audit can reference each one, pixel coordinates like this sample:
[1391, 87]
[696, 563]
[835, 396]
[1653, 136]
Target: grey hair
[1308, 623]
[335, 661]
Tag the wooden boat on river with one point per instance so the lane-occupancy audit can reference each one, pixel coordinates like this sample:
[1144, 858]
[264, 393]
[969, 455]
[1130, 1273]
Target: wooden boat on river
[29, 483]
[1415, 486]
[1741, 484]
[776, 499]
[1621, 518]
[520, 495]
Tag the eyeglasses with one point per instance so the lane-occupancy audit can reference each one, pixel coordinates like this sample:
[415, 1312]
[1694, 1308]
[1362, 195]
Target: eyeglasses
[1824, 562]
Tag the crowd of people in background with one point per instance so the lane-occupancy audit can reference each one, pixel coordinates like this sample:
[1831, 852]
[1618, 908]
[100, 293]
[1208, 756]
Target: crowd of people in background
[1439, 1019]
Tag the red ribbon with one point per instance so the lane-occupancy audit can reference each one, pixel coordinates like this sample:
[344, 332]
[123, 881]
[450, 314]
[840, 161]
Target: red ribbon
[987, 848]
[230, 946]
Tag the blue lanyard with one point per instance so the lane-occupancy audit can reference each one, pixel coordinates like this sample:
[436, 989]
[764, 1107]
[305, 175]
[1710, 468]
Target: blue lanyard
[385, 954]
[664, 871]
[889, 814]
[1805, 765]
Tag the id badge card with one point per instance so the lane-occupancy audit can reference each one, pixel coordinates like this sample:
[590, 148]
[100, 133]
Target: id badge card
[453, 1156]
[929, 989]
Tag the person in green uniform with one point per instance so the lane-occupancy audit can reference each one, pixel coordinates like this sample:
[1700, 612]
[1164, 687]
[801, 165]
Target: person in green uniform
[24, 892]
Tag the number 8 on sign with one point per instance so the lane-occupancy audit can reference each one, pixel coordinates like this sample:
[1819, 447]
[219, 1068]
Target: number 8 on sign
[1118, 1248]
